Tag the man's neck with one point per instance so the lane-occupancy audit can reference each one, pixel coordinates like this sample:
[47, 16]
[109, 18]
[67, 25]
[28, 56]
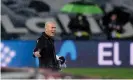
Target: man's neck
[45, 32]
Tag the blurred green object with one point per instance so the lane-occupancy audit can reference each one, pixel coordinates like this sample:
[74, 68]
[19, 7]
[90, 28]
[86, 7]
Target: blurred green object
[102, 73]
[81, 33]
[82, 8]
[118, 35]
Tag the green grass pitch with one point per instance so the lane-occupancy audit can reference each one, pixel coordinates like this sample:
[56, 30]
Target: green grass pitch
[117, 73]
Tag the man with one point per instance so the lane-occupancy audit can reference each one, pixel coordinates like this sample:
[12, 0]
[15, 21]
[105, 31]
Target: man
[80, 27]
[114, 26]
[45, 50]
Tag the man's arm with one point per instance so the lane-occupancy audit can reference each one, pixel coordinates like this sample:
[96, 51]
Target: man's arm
[39, 46]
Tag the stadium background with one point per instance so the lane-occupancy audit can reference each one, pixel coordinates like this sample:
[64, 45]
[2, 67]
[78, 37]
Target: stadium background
[23, 21]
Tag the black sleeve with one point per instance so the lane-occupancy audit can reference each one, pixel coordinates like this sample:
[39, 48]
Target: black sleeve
[40, 44]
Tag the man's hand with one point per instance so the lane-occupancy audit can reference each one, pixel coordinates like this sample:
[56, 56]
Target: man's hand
[37, 54]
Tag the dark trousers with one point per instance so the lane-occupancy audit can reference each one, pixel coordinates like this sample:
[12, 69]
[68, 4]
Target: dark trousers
[49, 65]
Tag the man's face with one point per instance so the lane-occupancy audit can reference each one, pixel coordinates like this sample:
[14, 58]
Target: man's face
[113, 17]
[51, 29]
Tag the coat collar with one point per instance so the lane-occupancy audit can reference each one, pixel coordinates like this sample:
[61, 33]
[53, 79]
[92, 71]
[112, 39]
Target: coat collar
[46, 36]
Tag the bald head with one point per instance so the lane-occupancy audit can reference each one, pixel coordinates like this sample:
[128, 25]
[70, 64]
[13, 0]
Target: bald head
[50, 28]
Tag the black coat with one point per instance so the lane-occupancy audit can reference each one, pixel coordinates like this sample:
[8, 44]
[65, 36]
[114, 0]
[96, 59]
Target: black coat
[45, 45]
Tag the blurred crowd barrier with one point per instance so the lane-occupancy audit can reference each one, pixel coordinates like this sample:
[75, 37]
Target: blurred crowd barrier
[33, 73]
[22, 19]
[94, 53]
